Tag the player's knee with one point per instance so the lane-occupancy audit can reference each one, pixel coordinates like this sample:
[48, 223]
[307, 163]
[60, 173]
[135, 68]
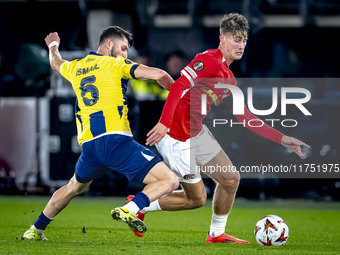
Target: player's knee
[201, 202]
[237, 177]
[170, 182]
[230, 184]
[198, 202]
[173, 182]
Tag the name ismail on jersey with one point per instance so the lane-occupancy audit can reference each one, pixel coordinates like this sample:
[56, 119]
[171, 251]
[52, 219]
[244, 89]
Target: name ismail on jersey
[82, 71]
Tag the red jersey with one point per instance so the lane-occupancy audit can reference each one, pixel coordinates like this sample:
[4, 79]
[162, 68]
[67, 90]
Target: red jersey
[182, 112]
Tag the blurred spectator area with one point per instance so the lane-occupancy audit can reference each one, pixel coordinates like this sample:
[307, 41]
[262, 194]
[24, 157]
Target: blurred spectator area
[288, 39]
[291, 37]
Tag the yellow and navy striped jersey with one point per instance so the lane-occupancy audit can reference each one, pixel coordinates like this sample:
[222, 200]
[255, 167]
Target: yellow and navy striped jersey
[100, 84]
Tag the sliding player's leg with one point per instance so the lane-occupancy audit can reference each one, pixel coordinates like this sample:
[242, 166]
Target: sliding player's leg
[160, 181]
[176, 154]
[192, 195]
[180, 157]
[142, 165]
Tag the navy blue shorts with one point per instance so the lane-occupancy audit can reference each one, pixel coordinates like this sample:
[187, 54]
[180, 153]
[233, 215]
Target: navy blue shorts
[116, 152]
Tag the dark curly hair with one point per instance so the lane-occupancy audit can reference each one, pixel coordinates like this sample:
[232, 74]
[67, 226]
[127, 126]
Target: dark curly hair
[115, 32]
[233, 23]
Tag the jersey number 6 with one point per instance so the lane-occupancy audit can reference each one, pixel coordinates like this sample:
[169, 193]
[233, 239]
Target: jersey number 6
[86, 86]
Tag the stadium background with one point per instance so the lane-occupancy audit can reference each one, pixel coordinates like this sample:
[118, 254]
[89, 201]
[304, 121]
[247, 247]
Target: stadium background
[289, 38]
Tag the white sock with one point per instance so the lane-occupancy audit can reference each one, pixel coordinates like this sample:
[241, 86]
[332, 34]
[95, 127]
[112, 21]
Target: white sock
[218, 223]
[153, 207]
[40, 231]
[132, 207]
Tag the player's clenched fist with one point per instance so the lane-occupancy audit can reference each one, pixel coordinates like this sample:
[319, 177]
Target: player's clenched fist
[52, 37]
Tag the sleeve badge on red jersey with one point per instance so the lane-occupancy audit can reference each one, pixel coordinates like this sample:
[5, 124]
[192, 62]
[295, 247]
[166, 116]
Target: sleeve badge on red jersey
[198, 66]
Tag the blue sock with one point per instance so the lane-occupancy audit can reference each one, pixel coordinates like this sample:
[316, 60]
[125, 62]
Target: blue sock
[141, 200]
[42, 222]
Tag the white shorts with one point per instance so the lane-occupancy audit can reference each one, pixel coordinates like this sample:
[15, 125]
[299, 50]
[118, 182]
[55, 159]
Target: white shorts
[183, 158]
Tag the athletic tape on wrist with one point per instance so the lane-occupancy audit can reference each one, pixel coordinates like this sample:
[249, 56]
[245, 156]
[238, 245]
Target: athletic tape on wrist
[53, 44]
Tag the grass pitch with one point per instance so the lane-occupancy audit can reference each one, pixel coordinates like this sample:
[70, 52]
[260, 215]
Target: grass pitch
[86, 227]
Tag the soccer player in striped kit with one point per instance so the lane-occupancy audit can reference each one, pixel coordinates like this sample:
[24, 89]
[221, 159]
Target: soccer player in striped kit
[99, 81]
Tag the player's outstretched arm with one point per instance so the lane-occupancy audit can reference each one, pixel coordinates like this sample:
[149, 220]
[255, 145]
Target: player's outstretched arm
[294, 144]
[269, 132]
[53, 41]
[150, 73]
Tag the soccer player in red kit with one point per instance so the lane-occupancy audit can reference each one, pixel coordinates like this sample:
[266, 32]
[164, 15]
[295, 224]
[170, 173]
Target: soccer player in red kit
[184, 142]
